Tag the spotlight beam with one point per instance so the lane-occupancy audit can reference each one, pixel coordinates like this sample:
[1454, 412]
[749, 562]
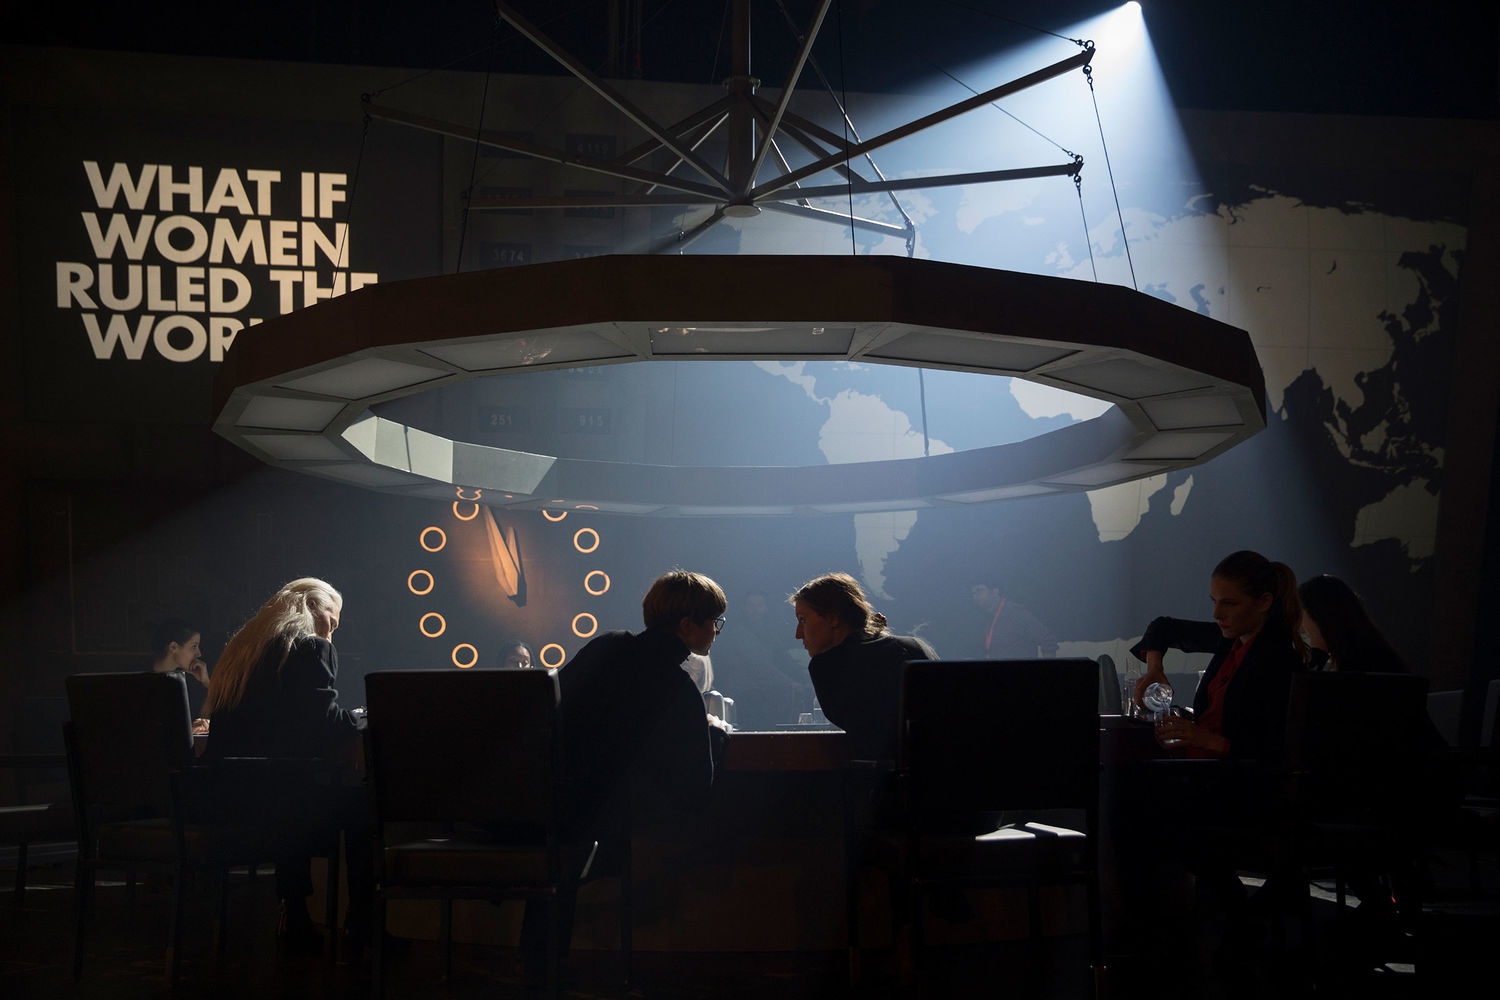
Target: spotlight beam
[791, 85]
[511, 144]
[921, 124]
[620, 102]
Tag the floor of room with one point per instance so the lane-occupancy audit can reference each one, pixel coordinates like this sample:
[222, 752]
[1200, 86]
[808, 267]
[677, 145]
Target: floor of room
[1326, 956]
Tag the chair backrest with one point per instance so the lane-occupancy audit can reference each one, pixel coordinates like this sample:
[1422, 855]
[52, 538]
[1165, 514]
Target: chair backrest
[1357, 739]
[464, 746]
[127, 734]
[993, 736]
[1111, 701]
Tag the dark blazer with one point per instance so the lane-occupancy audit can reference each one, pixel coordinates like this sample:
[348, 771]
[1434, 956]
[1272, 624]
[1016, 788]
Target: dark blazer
[628, 704]
[291, 712]
[858, 684]
[1256, 699]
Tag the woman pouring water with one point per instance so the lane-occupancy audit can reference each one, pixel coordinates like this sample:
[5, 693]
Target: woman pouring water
[1239, 709]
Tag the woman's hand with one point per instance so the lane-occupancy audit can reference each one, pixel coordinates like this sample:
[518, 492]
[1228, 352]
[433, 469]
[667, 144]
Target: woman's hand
[198, 670]
[1175, 731]
[1156, 673]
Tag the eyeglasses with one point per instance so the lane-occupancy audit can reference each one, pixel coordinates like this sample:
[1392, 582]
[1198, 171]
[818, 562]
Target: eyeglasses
[718, 624]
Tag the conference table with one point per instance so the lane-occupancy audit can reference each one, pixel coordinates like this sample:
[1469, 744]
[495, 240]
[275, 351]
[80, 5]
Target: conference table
[763, 867]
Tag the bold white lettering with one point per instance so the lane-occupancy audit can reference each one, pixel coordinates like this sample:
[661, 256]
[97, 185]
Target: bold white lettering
[228, 192]
[251, 240]
[167, 189]
[218, 277]
[118, 233]
[105, 192]
[107, 295]
[190, 289]
[284, 281]
[73, 283]
[118, 332]
[283, 244]
[196, 234]
[307, 194]
[221, 331]
[263, 179]
[314, 239]
[312, 292]
[162, 338]
[328, 193]
[154, 301]
[359, 279]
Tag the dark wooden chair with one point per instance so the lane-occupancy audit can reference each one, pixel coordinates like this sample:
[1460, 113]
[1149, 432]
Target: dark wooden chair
[42, 812]
[475, 756]
[141, 800]
[997, 785]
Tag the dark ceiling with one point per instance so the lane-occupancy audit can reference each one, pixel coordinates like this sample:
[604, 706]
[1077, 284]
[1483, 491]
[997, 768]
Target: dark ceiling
[1372, 57]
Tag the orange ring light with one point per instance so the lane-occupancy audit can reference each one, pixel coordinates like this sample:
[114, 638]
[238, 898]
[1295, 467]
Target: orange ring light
[592, 626]
[441, 534]
[473, 657]
[472, 514]
[547, 652]
[602, 590]
[584, 506]
[560, 515]
[411, 582]
[579, 545]
[478, 495]
[442, 625]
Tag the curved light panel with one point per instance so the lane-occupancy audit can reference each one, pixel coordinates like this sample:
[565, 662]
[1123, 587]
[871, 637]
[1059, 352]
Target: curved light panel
[298, 394]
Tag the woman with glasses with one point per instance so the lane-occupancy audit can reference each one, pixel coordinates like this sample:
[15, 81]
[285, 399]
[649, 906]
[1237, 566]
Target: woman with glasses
[856, 661]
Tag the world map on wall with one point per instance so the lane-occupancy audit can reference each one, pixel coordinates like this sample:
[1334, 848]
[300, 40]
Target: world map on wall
[1346, 306]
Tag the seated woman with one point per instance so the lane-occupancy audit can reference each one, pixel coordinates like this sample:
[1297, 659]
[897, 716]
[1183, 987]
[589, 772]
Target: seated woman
[517, 656]
[856, 662]
[1336, 624]
[1239, 709]
[175, 645]
[272, 695]
[1209, 820]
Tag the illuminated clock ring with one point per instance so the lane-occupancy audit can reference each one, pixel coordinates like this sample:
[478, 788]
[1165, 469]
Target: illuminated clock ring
[478, 495]
[579, 544]
[551, 655]
[590, 576]
[411, 582]
[472, 656]
[585, 625]
[561, 515]
[440, 627]
[442, 538]
[473, 512]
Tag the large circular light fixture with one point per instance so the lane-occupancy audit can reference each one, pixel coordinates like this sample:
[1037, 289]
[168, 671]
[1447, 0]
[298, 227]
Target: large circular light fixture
[298, 392]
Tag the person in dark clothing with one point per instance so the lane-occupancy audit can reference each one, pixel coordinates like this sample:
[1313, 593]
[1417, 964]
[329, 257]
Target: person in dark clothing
[1240, 705]
[629, 711]
[272, 695]
[1010, 631]
[176, 645]
[1211, 818]
[1335, 623]
[856, 662]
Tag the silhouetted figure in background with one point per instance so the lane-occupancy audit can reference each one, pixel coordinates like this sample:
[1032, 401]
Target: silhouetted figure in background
[753, 667]
[1010, 631]
[517, 656]
[176, 645]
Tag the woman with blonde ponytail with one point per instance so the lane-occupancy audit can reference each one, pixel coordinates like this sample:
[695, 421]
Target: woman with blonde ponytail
[272, 695]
